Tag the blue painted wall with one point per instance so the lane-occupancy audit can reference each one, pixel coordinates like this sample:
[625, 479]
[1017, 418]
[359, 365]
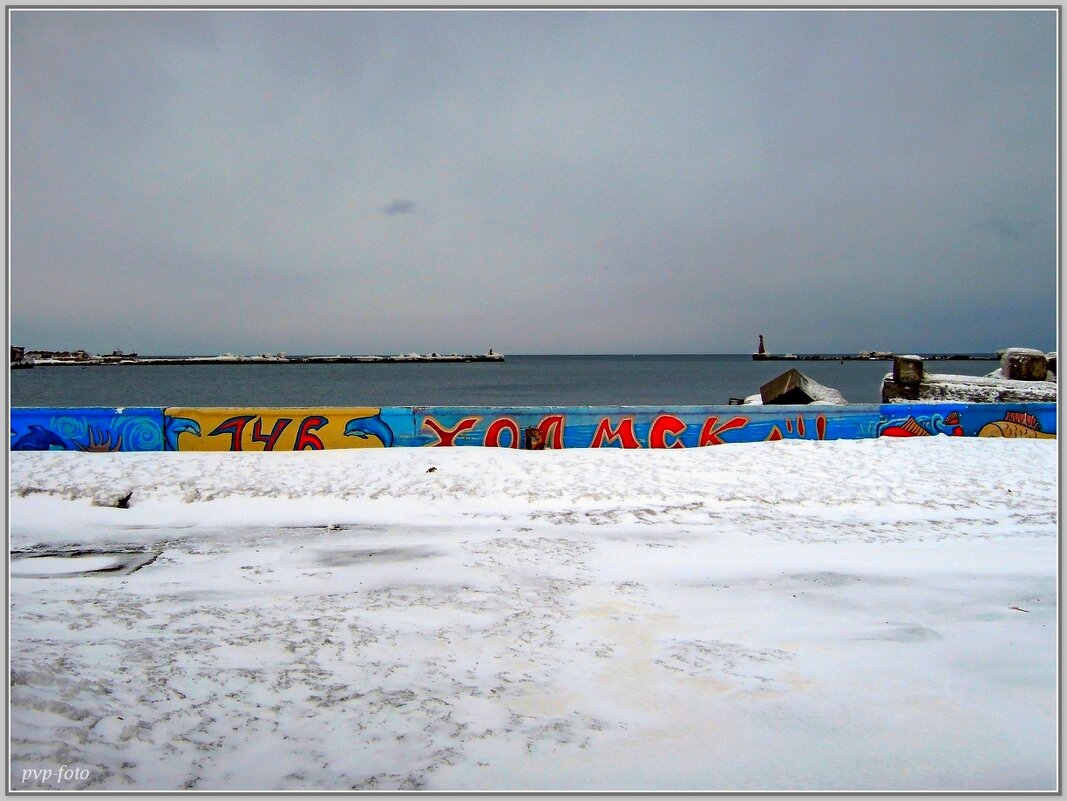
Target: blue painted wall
[89, 429]
[1030, 420]
[265, 428]
[640, 426]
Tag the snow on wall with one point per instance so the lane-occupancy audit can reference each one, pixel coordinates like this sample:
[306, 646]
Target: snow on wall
[331, 428]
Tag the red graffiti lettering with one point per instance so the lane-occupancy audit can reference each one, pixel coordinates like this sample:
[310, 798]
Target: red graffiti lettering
[492, 434]
[272, 438]
[662, 426]
[304, 437]
[234, 427]
[709, 434]
[447, 437]
[624, 433]
[776, 433]
[552, 429]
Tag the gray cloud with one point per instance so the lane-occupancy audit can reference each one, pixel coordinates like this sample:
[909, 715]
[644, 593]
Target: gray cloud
[399, 207]
[674, 181]
[1001, 227]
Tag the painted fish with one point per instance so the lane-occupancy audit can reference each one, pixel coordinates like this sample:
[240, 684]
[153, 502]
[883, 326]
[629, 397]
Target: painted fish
[910, 427]
[1017, 425]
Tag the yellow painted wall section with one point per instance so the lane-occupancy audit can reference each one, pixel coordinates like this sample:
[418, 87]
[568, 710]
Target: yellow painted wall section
[277, 429]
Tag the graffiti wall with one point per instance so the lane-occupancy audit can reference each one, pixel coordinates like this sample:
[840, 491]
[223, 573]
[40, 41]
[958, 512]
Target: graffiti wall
[639, 426]
[1031, 420]
[274, 429]
[299, 429]
[91, 429]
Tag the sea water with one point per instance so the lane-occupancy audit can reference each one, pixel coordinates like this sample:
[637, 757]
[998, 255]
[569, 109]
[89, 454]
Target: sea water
[652, 380]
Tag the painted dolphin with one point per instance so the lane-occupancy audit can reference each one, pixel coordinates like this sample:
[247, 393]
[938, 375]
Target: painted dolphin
[173, 426]
[38, 438]
[373, 426]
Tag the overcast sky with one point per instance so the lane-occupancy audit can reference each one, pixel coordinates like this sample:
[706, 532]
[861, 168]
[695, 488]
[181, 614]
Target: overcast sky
[550, 181]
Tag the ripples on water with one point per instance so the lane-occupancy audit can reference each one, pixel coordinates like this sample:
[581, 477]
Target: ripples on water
[519, 381]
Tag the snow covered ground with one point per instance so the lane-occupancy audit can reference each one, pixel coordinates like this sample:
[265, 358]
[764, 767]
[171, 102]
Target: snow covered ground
[866, 615]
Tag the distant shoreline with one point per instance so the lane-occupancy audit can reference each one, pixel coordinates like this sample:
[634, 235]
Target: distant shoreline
[82, 359]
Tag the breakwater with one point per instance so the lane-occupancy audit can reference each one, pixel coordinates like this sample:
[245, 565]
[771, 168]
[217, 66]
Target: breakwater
[83, 359]
[869, 356]
[321, 428]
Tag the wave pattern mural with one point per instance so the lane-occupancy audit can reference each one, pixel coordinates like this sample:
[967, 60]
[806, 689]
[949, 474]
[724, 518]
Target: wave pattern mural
[88, 429]
[315, 428]
[1036, 420]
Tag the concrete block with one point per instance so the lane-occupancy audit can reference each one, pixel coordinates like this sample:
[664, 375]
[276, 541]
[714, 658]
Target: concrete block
[793, 386]
[786, 388]
[892, 392]
[907, 370]
[938, 388]
[1024, 364]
